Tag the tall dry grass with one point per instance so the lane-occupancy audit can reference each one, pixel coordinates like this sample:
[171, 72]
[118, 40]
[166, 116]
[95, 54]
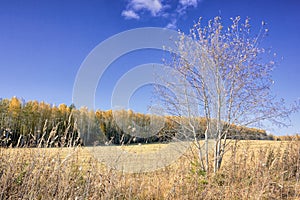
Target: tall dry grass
[252, 170]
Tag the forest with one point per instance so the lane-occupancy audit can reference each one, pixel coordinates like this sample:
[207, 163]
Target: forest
[39, 124]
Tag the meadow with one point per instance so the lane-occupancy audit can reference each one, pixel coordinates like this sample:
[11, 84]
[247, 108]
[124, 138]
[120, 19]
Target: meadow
[251, 170]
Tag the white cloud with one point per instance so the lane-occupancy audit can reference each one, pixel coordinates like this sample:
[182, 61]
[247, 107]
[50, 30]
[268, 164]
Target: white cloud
[135, 9]
[186, 3]
[172, 24]
[153, 6]
[130, 14]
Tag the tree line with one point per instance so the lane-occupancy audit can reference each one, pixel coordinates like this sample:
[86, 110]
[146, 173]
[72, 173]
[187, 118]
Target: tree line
[39, 124]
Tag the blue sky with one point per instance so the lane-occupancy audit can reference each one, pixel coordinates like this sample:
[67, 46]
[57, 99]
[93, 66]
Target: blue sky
[43, 43]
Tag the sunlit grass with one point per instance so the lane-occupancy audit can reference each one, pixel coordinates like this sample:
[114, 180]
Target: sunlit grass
[258, 170]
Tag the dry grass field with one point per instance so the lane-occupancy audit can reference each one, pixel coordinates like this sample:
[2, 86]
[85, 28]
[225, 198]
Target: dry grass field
[253, 170]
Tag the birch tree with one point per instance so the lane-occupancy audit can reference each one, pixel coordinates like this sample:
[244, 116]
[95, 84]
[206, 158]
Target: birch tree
[229, 78]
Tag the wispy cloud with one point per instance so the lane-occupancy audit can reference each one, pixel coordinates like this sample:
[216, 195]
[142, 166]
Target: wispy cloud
[130, 14]
[187, 3]
[136, 6]
[135, 9]
[154, 6]
[183, 5]
[172, 24]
